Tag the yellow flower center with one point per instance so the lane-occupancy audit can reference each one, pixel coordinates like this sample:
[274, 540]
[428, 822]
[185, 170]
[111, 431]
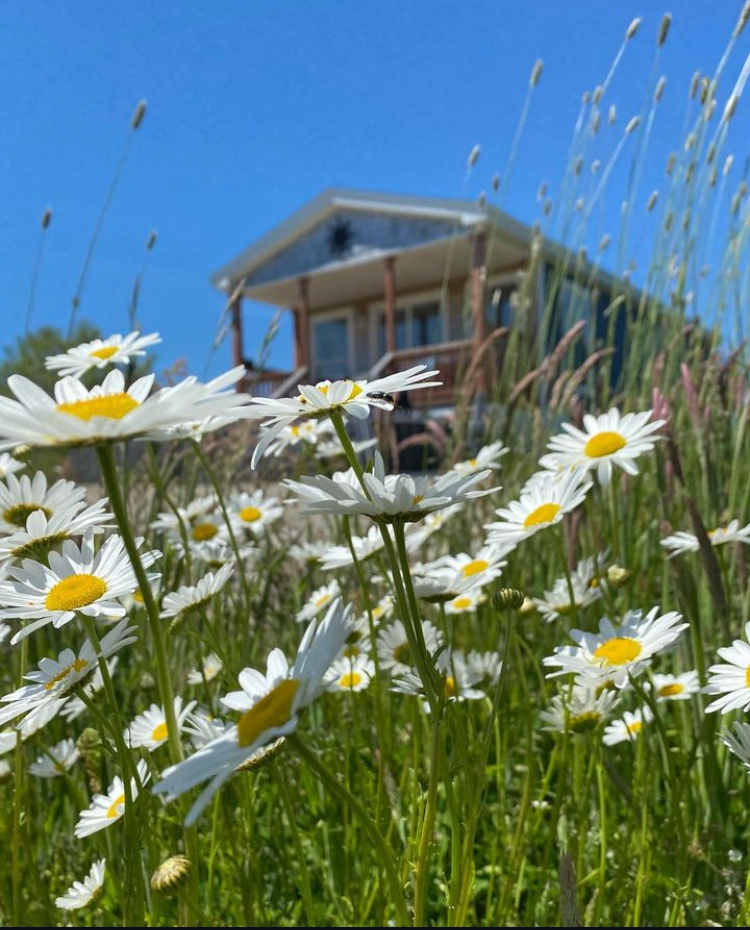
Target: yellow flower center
[74, 592]
[138, 597]
[159, 732]
[618, 650]
[203, 531]
[323, 599]
[473, 463]
[77, 665]
[671, 690]
[747, 677]
[605, 443]
[461, 603]
[322, 386]
[579, 723]
[113, 809]
[350, 680]
[250, 514]
[19, 513]
[273, 710]
[105, 352]
[417, 500]
[634, 728]
[402, 654]
[449, 687]
[546, 513]
[476, 567]
[111, 406]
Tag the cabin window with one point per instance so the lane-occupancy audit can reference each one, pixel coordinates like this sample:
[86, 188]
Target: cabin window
[499, 307]
[331, 348]
[420, 324]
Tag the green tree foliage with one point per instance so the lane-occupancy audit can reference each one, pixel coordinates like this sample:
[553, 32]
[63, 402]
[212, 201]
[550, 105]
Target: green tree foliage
[26, 356]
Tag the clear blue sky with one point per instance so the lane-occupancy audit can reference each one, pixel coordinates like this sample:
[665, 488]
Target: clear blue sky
[256, 106]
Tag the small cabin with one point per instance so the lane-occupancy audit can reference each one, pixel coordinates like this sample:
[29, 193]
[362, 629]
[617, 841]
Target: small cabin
[378, 283]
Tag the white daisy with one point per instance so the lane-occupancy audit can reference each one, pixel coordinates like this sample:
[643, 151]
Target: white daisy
[484, 667]
[192, 514]
[732, 679]
[78, 580]
[106, 809]
[557, 603]
[676, 687]
[358, 641]
[255, 512]
[617, 652]
[116, 350]
[681, 541]
[149, 729]
[319, 601]
[202, 728]
[54, 679]
[86, 892]
[543, 502]
[394, 651]
[270, 705]
[350, 674]
[188, 598]
[309, 553]
[739, 742]
[487, 457]
[79, 416]
[466, 602]
[584, 710]
[332, 448]
[475, 569]
[214, 553]
[355, 398]
[391, 497]
[627, 729]
[21, 497]
[209, 669]
[459, 679]
[43, 533]
[308, 431]
[74, 706]
[605, 441]
[418, 533]
[9, 465]
[58, 759]
[5, 630]
[365, 547]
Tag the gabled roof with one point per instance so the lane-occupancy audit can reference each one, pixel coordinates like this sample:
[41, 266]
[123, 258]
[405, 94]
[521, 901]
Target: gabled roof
[466, 214]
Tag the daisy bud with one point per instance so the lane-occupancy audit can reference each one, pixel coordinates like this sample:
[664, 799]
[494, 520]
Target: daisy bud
[89, 745]
[508, 599]
[171, 875]
[618, 576]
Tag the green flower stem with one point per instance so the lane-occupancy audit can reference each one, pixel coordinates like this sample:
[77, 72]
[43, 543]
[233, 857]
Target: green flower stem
[385, 854]
[307, 898]
[109, 476]
[225, 514]
[19, 781]
[132, 903]
[560, 543]
[428, 824]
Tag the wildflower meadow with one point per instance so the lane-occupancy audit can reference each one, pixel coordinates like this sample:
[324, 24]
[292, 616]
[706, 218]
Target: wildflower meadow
[253, 675]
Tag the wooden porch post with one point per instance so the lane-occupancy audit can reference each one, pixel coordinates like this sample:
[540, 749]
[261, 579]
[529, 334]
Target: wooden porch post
[389, 281]
[477, 304]
[237, 353]
[302, 327]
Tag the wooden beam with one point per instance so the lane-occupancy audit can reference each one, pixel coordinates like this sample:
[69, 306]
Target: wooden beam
[238, 357]
[389, 289]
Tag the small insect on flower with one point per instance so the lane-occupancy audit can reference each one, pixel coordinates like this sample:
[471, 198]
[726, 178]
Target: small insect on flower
[86, 892]
[108, 808]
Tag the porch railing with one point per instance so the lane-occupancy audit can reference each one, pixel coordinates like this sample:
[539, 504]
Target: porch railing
[451, 359]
